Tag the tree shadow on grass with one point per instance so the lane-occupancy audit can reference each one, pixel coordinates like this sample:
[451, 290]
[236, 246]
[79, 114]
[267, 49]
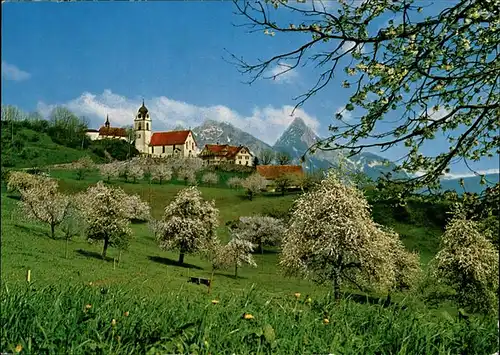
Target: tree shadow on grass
[167, 261]
[93, 254]
[230, 276]
[14, 197]
[33, 231]
[365, 299]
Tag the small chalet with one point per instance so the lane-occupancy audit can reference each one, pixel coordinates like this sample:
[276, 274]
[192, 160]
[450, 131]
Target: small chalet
[180, 143]
[214, 154]
[107, 132]
[271, 172]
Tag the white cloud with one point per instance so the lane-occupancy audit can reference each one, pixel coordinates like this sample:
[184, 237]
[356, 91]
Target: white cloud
[266, 123]
[436, 115]
[11, 72]
[451, 176]
[349, 45]
[346, 115]
[281, 76]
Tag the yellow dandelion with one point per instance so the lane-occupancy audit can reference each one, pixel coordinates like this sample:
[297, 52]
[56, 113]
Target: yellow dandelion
[90, 283]
[88, 306]
[326, 321]
[297, 295]
[308, 300]
[247, 316]
[215, 301]
[18, 348]
[126, 314]
[113, 322]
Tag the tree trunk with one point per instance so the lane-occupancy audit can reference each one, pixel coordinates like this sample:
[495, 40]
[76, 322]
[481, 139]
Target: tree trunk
[235, 270]
[336, 285]
[283, 191]
[52, 230]
[160, 180]
[181, 258]
[105, 248]
[261, 247]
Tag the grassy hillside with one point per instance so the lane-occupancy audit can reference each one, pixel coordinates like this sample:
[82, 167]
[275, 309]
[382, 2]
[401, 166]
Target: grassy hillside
[169, 315]
[28, 244]
[34, 149]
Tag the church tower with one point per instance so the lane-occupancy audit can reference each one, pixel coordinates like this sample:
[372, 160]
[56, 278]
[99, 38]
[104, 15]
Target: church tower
[142, 127]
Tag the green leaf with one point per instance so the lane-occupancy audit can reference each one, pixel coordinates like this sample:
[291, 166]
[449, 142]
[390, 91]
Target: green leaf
[349, 107]
[269, 334]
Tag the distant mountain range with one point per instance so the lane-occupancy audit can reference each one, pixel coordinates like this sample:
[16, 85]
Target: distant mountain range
[298, 137]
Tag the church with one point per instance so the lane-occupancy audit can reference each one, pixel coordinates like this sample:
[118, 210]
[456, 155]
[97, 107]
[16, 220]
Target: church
[147, 142]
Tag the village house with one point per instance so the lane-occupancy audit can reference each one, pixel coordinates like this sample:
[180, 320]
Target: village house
[214, 154]
[272, 172]
[107, 132]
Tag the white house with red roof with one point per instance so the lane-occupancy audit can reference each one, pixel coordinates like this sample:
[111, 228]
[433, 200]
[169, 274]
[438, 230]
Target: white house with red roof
[107, 132]
[161, 144]
[214, 154]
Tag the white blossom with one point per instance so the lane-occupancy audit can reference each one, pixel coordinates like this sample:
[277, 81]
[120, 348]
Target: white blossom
[331, 237]
[44, 203]
[109, 171]
[236, 253]
[161, 172]
[210, 178]
[468, 262]
[254, 184]
[106, 214]
[189, 223]
[261, 230]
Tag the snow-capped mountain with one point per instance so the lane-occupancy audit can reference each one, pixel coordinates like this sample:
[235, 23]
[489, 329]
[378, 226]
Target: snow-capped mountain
[295, 140]
[298, 137]
[213, 132]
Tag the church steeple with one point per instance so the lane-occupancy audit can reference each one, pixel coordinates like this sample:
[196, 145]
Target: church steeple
[106, 124]
[142, 125]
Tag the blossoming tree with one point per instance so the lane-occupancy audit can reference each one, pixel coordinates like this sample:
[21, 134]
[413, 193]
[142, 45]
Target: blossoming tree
[83, 166]
[42, 202]
[331, 237]
[107, 215]
[161, 172]
[236, 253]
[18, 181]
[189, 223]
[254, 184]
[468, 262]
[210, 178]
[109, 171]
[260, 230]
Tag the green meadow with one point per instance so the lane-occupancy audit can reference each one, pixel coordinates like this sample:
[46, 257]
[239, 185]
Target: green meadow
[168, 315]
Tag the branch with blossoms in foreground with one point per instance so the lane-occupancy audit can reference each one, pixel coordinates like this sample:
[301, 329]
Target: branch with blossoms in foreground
[439, 74]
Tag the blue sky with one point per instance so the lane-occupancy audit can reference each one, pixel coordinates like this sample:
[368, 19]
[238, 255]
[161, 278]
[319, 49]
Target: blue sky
[103, 58]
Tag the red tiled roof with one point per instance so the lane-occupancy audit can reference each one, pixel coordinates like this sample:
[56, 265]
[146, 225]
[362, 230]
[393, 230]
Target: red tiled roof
[222, 150]
[169, 138]
[112, 132]
[271, 172]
